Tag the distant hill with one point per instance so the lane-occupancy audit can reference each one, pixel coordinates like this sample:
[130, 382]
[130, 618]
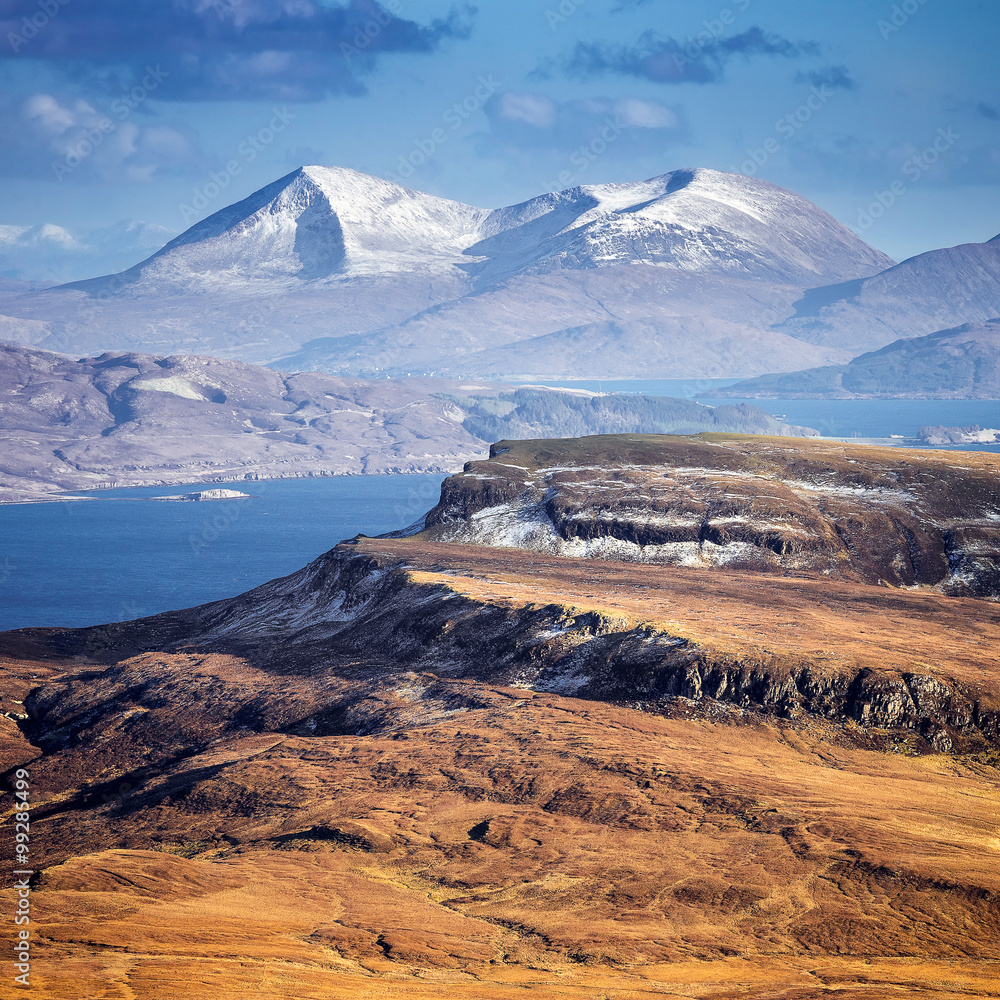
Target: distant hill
[135, 419]
[963, 363]
[931, 292]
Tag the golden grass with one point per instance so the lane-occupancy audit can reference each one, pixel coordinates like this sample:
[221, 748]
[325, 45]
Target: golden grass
[730, 612]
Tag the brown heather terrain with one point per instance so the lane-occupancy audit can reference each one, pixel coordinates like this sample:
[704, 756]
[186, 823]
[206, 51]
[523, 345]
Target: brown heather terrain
[419, 768]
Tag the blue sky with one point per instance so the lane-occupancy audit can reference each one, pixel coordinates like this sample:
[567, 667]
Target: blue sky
[166, 111]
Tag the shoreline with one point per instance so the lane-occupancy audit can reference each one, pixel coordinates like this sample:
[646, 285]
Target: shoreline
[58, 496]
[68, 495]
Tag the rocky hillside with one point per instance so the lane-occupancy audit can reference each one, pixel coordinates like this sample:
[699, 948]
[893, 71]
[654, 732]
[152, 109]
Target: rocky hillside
[808, 521]
[873, 515]
[135, 419]
[490, 769]
[963, 363]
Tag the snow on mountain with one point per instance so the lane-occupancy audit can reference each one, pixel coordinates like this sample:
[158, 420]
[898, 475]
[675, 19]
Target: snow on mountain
[696, 220]
[316, 223]
[355, 274]
[321, 223]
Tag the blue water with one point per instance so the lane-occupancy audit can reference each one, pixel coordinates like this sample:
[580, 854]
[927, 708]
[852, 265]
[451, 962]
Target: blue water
[831, 417]
[878, 417]
[117, 557]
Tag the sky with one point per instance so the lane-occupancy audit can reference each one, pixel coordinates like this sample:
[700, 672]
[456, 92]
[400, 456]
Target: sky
[886, 114]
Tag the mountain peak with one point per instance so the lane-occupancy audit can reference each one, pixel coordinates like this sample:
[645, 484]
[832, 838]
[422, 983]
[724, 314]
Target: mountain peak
[694, 219]
[321, 223]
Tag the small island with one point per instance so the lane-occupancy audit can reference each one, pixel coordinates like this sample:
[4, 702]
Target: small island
[209, 495]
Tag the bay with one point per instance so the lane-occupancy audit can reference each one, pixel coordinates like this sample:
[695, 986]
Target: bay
[122, 555]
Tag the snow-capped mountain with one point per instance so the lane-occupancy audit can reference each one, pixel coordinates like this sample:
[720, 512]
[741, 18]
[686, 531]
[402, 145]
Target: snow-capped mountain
[316, 223]
[701, 220]
[332, 269]
[321, 223]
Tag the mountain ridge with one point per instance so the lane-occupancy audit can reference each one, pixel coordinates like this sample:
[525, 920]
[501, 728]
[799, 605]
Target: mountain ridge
[343, 267]
[959, 363]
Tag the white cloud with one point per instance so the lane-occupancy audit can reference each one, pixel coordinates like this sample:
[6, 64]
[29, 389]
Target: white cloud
[71, 138]
[534, 109]
[646, 114]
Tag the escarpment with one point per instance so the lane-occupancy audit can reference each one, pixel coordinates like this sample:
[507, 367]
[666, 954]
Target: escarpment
[646, 637]
[790, 578]
[654, 715]
[871, 515]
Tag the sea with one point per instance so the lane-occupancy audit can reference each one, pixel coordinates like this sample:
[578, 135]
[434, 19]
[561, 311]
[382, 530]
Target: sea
[122, 554]
[847, 418]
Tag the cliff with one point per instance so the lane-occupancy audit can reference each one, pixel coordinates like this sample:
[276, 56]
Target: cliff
[872, 515]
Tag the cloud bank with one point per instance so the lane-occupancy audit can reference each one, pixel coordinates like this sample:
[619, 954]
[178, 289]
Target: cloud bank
[213, 50]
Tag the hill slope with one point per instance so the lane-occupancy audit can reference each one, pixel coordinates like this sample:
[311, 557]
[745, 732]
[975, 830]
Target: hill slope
[135, 419]
[962, 363]
[495, 771]
[934, 291]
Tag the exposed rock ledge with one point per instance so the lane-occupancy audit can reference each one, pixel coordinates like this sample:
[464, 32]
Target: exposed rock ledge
[372, 607]
[875, 515]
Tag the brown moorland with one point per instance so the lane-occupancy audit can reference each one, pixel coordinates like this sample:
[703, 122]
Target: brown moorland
[420, 768]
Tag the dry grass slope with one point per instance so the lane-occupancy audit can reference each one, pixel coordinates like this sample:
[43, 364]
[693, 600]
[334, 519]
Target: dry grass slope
[390, 806]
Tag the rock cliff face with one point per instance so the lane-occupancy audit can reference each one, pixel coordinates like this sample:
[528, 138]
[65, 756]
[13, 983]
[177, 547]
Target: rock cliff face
[800, 519]
[866, 514]
[380, 613]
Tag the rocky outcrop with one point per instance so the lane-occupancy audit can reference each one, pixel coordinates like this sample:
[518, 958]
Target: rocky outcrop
[372, 614]
[358, 607]
[875, 515]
